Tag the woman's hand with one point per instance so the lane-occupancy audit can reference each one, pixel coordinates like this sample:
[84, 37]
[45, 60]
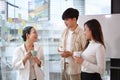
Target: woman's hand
[79, 60]
[27, 56]
[36, 60]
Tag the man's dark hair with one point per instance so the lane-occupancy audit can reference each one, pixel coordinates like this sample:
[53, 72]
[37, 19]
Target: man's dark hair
[70, 13]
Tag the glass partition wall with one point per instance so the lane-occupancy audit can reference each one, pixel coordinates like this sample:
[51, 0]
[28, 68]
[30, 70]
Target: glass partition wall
[45, 16]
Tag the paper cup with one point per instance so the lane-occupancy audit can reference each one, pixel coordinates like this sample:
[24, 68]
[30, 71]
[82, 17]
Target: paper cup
[60, 49]
[77, 54]
[33, 52]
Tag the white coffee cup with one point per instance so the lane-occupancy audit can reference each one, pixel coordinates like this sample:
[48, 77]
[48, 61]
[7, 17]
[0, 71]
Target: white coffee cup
[61, 49]
[77, 54]
[33, 52]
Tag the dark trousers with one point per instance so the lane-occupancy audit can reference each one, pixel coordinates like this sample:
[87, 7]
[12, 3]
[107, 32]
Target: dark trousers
[90, 76]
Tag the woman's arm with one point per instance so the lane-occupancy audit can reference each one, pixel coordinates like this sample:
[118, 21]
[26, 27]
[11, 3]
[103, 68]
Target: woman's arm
[18, 59]
[39, 59]
[101, 63]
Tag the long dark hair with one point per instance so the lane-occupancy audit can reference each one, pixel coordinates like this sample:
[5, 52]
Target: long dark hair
[96, 30]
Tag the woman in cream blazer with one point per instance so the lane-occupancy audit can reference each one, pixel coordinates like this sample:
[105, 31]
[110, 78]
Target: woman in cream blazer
[28, 58]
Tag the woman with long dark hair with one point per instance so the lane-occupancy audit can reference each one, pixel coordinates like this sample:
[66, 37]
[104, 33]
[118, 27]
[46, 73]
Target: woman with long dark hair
[93, 56]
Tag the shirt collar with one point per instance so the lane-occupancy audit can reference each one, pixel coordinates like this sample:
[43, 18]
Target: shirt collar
[24, 50]
[77, 29]
[92, 41]
[23, 47]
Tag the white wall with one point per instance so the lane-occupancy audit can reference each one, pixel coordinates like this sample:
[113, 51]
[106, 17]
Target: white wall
[111, 30]
[97, 7]
[57, 7]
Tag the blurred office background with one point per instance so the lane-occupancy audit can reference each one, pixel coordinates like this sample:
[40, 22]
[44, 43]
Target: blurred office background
[45, 16]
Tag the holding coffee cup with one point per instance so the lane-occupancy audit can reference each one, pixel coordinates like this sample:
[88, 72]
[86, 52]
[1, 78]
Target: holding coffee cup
[77, 54]
[33, 52]
[60, 49]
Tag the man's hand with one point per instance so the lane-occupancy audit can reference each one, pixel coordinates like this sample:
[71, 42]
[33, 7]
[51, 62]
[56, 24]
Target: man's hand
[66, 54]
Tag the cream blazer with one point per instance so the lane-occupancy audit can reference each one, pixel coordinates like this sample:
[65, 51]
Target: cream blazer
[24, 70]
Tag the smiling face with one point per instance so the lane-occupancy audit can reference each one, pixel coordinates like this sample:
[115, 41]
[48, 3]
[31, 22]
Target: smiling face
[88, 32]
[33, 36]
[70, 22]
